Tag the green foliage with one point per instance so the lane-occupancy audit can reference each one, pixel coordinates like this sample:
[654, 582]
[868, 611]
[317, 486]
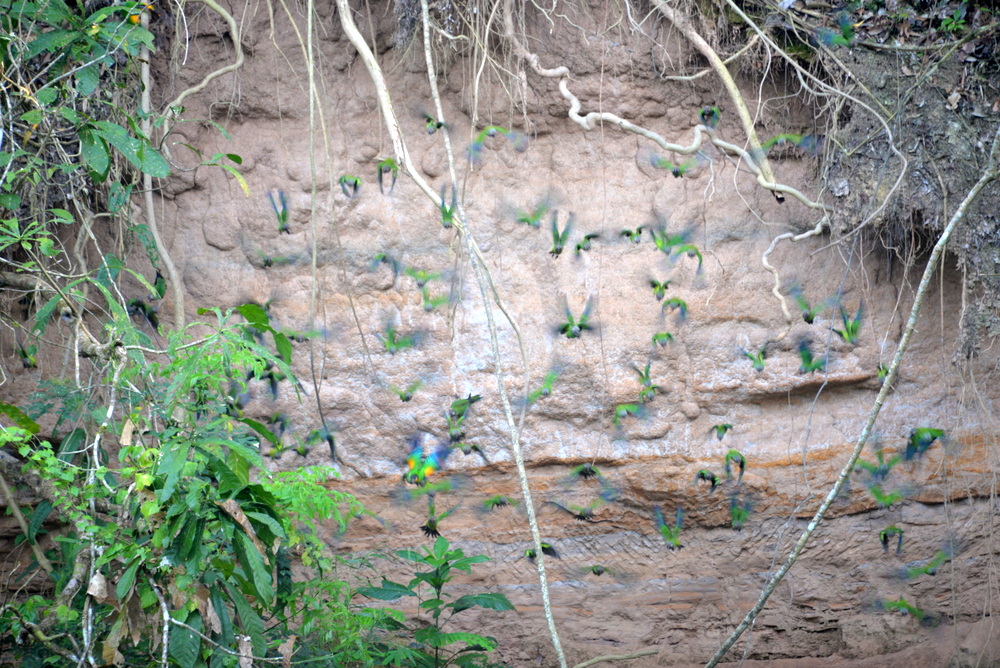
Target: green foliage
[956, 22]
[189, 512]
[438, 648]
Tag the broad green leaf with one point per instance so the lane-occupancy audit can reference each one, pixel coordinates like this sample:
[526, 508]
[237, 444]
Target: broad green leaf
[283, 346]
[48, 247]
[32, 117]
[95, 155]
[87, 79]
[174, 455]
[109, 271]
[46, 96]
[18, 417]
[184, 643]
[229, 480]
[118, 197]
[410, 555]
[42, 511]
[255, 315]
[72, 445]
[10, 201]
[268, 521]
[136, 151]
[252, 624]
[490, 601]
[444, 639]
[124, 585]
[70, 115]
[253, 565]
[50, 42]
[260, 429]
[389, 591]
[62, 216]
[225, 621]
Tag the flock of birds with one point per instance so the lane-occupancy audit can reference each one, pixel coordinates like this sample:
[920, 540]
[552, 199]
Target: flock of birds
[422, 478]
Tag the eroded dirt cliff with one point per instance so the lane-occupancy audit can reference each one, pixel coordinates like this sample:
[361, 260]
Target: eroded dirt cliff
[795, 429]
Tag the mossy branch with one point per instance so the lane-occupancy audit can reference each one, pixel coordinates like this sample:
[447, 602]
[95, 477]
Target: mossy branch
[989, 175]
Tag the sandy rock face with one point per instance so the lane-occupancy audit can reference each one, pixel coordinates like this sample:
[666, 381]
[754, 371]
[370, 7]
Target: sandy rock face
[795, 429]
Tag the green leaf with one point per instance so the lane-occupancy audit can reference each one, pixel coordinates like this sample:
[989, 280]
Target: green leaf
[46, 96]
[173, 455]
[48, 247]
[184, 643]
[433, 637]
[51, 42]
[87, 79]
[389, 591]
[70, 115]
[229, 480]
[32, 117]
[253, 625]
[118, 197]
[225, 621]
[253, 565]
[283, 346]
[266, 433]
[239, 178]
[107, 274]
[42, 511]
[10, 201]
[124, 585]
[95, 155]
[138, 152]
[410, 555]
[62, 216]
[18, 417]
[268, 521]
[486, 600]
[71, 445]
[256, 316]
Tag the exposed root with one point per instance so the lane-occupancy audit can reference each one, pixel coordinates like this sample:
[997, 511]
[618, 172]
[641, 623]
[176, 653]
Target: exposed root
[754, 159]
[776, 290]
